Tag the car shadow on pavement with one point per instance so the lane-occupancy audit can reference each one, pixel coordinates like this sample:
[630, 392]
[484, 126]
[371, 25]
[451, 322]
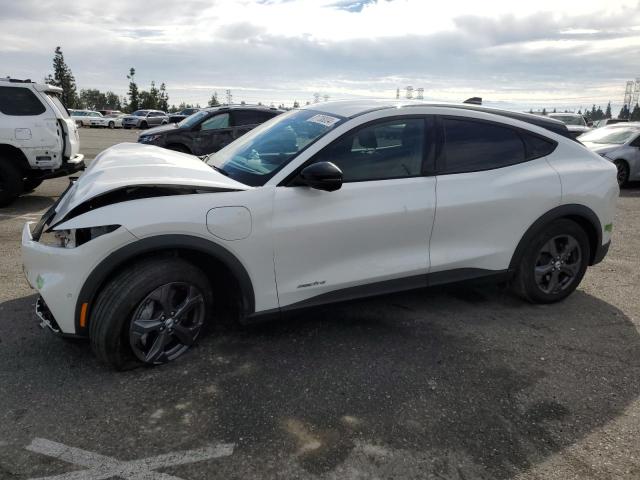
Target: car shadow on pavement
[631, 190]
[28, 206]
[457, 383]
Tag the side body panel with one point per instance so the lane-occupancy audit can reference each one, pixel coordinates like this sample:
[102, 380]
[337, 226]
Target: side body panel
[481, 216]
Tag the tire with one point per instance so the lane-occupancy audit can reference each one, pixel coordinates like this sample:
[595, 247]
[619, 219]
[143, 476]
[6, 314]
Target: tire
[30, 184]
[544, 276]
[144, 125]
[112, 125]
[164, 123]
[176, 147]
[127, 296]
[11, 185]
[623, 172]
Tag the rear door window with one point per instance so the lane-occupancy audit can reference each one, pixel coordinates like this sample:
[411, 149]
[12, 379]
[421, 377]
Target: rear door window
[58, 103]
[250, 117]
[20, 101]
[475, 145]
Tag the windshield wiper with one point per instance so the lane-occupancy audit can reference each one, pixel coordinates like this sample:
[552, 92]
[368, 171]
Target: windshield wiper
[218, 169]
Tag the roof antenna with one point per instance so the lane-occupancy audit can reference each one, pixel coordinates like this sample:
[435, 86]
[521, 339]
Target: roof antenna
[474, 100]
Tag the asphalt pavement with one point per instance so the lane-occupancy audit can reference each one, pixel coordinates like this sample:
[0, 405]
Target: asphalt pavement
[459, 383]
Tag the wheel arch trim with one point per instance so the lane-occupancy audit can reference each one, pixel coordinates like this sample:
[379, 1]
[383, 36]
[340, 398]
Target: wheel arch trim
[160, 243]
[569, 211]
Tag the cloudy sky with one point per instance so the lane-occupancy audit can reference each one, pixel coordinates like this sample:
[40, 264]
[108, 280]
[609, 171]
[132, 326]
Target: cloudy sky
[563, 53]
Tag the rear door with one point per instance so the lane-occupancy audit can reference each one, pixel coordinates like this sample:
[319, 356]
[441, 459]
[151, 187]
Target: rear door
[213, 133]
[373, 233]
[245, 120]
[493, 182]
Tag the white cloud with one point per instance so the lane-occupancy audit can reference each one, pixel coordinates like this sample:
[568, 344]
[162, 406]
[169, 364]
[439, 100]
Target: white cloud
[281, 50]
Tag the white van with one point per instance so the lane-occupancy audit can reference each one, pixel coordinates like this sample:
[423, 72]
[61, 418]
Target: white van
[38, 139]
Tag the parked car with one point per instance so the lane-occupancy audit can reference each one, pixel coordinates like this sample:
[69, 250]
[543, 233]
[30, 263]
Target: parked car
[144, 119]
[619, 144]
[575, 123]
[325, 203]
[38, 139]
[208, 130]
[88, 118]
[182, 114]
[107, 113]
[114, 120]
[608, 121]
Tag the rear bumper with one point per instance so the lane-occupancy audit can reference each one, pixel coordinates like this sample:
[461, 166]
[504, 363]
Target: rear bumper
[601, 252]
[72, 165]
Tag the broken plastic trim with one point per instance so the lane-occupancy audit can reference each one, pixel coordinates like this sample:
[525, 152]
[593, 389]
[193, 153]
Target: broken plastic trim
[136, 192]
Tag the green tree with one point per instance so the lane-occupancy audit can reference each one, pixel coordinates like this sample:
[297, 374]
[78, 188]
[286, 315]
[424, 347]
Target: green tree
[163, 103]
[297, 105]
[635, 114]
[112, 101]
[213, 102]
[607, 113]
[92, 99]
[544, 111]
[63, 78]
[134, 94]
[624, 113]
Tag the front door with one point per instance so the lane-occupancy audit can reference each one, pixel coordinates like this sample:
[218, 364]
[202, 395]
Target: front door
[373, 233]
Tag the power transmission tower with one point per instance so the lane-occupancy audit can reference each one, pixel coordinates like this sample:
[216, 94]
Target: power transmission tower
[397, 94]
[628, 94]
[421, 93]
[229, 97]
[316, 98]
[636, 93]
[409, 92]
[325, 97]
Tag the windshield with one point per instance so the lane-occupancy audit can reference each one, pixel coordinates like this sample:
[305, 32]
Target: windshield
[58, 103]
[256, 157]
[570, 119]
[140, 113]
[191, 120]
[613, 135]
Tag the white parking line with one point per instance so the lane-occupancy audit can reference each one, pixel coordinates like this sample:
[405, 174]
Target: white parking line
[102, 467]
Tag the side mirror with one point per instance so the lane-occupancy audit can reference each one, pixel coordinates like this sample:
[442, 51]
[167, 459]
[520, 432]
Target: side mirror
[322, 176]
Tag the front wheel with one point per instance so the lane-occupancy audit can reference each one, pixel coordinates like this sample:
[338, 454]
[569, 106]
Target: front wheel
[554, 264]
[112, 125]
[623, 172]
[151, 313]
[144, 125]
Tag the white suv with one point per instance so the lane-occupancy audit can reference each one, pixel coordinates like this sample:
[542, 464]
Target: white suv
[38, 139]
[318, 205]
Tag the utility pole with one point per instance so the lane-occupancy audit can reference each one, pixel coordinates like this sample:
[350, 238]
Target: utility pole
[316, 97]
[325, 97]
[229, 97]
[397, 94]
[421, 93]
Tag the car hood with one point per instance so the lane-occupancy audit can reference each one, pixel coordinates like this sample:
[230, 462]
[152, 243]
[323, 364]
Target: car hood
[161, 129]
[133, 164]
[601, 148]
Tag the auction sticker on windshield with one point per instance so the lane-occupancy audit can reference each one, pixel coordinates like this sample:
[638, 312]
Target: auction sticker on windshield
[325, 120]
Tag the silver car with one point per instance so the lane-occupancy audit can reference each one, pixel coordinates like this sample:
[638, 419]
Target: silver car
[619, 143]
[575, 122]
[145, 119]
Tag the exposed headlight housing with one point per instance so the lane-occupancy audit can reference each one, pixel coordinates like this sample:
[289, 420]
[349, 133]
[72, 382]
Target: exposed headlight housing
[75, 237]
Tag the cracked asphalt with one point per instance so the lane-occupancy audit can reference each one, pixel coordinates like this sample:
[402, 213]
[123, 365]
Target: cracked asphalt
[459, 382]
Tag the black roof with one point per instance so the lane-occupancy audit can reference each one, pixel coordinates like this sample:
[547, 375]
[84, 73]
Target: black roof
[243, 107]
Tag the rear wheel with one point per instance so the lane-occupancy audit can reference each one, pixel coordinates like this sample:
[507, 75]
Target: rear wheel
[144, 125]
[554, 264]
[112, 125]
[151, 313]
[623, 172]
[11, 185]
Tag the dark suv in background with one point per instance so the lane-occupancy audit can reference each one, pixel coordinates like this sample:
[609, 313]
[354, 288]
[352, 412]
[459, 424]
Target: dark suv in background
[145, 119]
[182, 114]
[208, 130]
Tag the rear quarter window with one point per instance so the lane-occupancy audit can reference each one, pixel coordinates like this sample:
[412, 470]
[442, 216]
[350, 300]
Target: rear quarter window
[474, 145]
[20, 101]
